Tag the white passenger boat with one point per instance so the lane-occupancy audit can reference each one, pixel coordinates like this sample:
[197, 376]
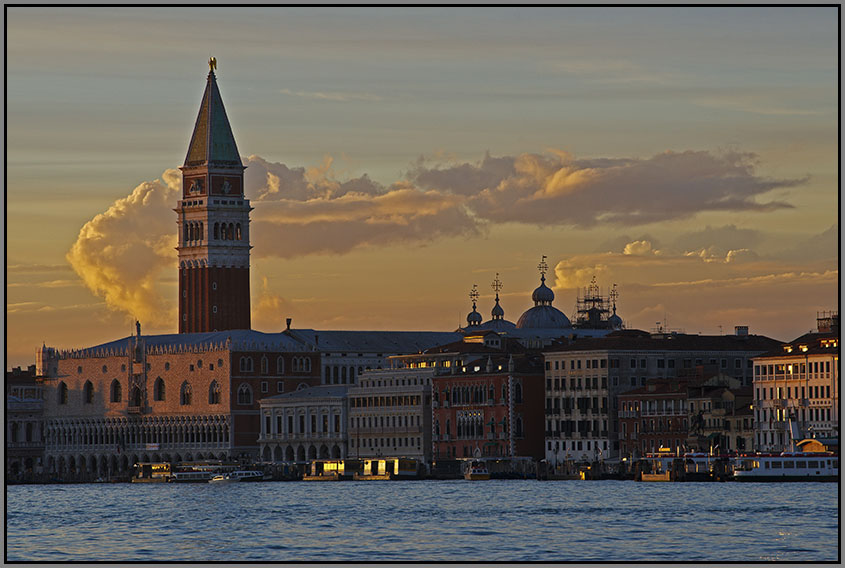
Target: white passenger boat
[787, 466]
[192, 476]
[251, 475]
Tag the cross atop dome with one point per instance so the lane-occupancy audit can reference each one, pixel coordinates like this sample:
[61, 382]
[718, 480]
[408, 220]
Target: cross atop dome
[473, 295]
[496, 285]
[474, 318]
[543, 267]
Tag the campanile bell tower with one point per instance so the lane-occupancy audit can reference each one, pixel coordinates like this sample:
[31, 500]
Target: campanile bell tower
[213, 219]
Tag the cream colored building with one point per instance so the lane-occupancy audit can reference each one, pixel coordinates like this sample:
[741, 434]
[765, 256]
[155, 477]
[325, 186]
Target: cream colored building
[390, 414]
[796, 389]
[306, 424]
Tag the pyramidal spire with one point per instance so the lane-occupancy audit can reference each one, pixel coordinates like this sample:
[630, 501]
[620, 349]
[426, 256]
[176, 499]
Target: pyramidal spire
[212, 143]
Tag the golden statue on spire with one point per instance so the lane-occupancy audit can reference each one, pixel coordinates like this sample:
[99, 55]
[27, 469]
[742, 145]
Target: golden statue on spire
[212, 64]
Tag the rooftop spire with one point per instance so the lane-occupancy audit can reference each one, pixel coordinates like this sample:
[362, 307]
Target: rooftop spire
[498, 312]
[212, 143]
[543, 267]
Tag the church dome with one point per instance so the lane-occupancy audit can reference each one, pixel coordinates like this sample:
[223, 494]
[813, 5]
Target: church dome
[474, 318]
[543, 295]
[498, 311]
[543, 317]
[498, 325]
[615, 322]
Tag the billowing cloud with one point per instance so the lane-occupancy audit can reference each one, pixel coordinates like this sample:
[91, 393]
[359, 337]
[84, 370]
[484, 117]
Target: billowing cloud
[557, 189]
[270, 309]
[120, 253]
[639, 248]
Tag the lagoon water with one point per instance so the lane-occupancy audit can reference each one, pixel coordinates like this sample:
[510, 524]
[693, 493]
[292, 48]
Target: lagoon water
[507, 520]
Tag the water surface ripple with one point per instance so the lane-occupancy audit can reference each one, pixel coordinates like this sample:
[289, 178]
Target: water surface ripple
[508, 520]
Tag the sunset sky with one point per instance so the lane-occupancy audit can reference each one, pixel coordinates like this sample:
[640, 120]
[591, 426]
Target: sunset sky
[398, 156]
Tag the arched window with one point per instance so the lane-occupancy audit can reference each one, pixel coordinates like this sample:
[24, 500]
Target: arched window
[88, 392]
[116, 391]
[135, 397]
[244, 394]
[185, 394]
[158, 389]
[214, 393]
[62, 393]
[265, 366]
[201, 231]
[280, 365]
[307, 368]
[231, 231]
[238, 232]
[186, 233]
[14, 432]
[448, 424]
[246, 364]
[519, 427]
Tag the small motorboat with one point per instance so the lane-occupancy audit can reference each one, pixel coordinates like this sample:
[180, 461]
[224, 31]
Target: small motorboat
[223, 479]
[477, 471]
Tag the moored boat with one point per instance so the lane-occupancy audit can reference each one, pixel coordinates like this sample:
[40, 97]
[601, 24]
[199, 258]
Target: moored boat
[477, 471]
[787, 466]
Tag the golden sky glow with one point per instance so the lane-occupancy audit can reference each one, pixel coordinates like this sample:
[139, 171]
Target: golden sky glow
[397, 157]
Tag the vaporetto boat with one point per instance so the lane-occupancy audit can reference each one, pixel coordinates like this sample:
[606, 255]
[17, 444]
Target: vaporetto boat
[787, 466]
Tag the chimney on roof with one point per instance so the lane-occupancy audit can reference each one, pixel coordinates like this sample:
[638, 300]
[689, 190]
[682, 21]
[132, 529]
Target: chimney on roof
[741, 331]
[287, 322]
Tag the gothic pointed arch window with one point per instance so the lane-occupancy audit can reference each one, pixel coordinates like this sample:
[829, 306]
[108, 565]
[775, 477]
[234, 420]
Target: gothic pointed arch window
[244, 394]
[518, 429]
[214, 393]
[135, 397]
[88, 392]
[246, 364]
[280, 365]
[62, 393]
[158, 389]
[116, 391]
[517, 392]
[185, 394]
[265, 365]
